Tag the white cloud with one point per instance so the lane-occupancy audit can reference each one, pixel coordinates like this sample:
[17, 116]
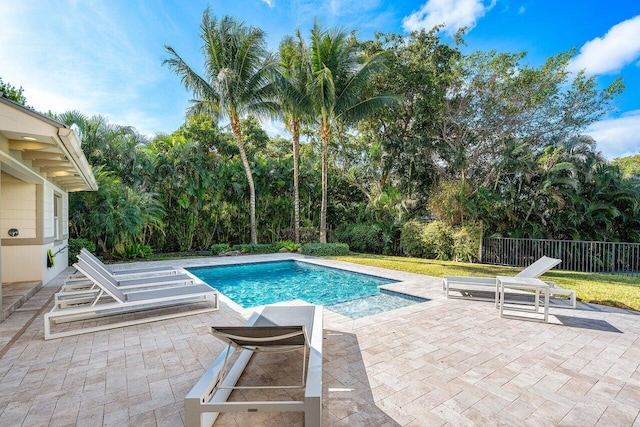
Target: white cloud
[619, 136]
[268, 3]
[82, 56]
[274, 128]
[454, 14]
[607, 55]
[522, 10]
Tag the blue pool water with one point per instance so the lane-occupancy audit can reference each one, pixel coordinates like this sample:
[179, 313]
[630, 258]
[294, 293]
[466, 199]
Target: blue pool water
[352, 294]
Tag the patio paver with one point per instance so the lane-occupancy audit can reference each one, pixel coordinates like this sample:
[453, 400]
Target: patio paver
[440, 362]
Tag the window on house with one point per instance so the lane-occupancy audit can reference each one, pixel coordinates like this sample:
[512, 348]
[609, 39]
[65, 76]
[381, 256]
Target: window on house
[57, 217]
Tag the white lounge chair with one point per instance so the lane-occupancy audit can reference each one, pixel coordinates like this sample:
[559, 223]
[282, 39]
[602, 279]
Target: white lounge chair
[475, 288]
[110, 300]
[275, 328]
[129, 271]
[122, 273]
[121, 281]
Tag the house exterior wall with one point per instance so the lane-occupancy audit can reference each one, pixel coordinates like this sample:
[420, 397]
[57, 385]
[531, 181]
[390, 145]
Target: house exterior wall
[1, 239]
[29, 208]
[18, 201]
[41, 160]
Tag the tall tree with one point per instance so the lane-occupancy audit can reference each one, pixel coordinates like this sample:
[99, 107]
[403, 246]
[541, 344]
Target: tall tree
[237, 80]
[12, 92]
[295, 105]
[629, 165]
[420, 67]
[496, 98]
[340, 75]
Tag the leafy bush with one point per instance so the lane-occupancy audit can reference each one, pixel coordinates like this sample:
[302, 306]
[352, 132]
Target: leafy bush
[220, 248]
[447, 202]
[412, 239]
[325, 249]
[132, 251]
[288, 245]
[74, 248]
[437, 236]
[260, 248]
[466, 243]
[367, 237]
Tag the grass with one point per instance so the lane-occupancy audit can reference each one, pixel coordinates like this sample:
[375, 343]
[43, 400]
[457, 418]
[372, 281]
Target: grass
[606, 289]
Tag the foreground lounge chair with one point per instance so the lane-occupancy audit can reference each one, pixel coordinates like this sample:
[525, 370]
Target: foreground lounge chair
[126, 282]
[275, 328]
[110, 300]
[475, 288]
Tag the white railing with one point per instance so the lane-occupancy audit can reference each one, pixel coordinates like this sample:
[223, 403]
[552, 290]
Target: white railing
[590, 257]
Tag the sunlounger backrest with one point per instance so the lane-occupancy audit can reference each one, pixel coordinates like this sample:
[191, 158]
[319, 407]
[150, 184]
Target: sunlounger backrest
[539, 267]
[89, 256]
[100, 280]
[99, 268]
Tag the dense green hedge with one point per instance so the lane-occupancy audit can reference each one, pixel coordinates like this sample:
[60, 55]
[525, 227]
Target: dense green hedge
[74, 248]
[437, 240]
[437, 236]
[365, 237]
[220, 248]
[325, 249]
[411, 239]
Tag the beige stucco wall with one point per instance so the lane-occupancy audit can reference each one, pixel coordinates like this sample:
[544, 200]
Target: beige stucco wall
[18, 201]
[1, 316]
[22, 263]
[29, 263]
[24, 258]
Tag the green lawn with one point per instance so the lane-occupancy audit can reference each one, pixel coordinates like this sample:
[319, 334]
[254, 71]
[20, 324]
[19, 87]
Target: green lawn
[605, 289]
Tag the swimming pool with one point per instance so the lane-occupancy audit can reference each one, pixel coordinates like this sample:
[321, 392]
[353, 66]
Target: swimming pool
[251, 285]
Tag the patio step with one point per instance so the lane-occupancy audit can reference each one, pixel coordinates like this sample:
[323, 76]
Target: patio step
[15, 294]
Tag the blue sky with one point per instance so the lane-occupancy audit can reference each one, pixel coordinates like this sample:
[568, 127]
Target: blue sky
[104, 56]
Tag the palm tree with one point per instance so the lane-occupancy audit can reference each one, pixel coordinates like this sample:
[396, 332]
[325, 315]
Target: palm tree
[295, 105]
[339, 78]
[237, 80]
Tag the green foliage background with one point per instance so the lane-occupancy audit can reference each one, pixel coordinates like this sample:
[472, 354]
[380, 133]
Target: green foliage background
[467, 143]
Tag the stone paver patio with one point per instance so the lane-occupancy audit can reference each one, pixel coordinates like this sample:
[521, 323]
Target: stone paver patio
[440, 362]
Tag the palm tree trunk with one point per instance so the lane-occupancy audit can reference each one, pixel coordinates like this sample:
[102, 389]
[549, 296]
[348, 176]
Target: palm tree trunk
[325, 133]
[295, 137]
[237, 132]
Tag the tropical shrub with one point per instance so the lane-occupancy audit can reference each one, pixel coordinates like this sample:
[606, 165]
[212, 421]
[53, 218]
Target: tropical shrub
[438, 239]
[411, 239]
[132, 251]
[447, 202]
[74, 248]
[325, 249]
[288, 245]
[367, 238]
[219, 248]
[466, 243]
[258, 248]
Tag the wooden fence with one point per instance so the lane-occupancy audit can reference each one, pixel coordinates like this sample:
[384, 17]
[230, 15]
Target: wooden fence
[590, 257]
